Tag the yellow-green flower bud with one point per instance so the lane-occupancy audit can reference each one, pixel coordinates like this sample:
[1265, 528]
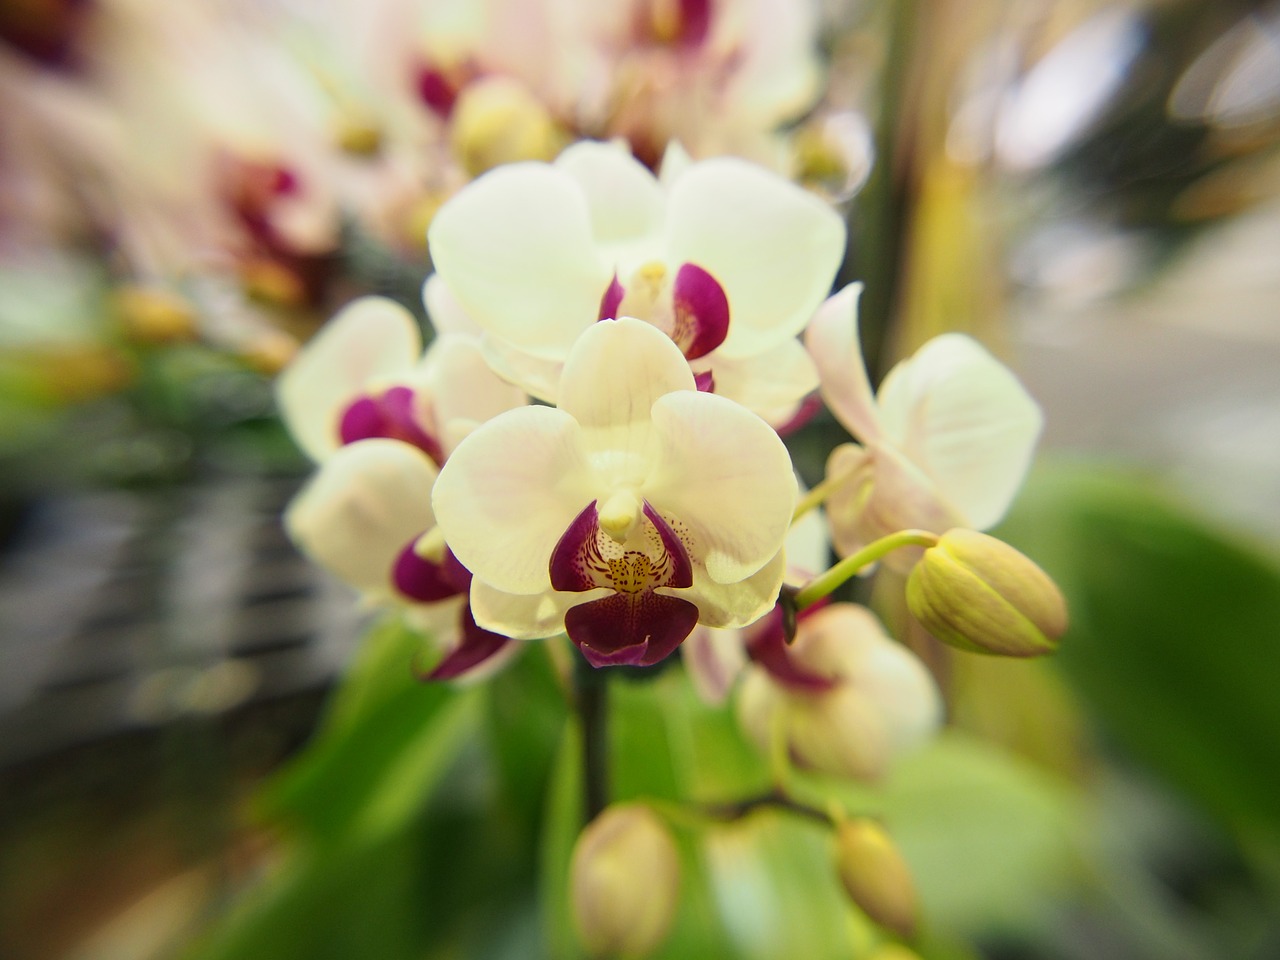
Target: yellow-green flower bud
[497, 120]
[150, 314]
[875, 876]
[623, 882]
[978, 593]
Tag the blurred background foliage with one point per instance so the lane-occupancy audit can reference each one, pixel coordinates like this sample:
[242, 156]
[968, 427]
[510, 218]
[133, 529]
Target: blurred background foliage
[1089, 188]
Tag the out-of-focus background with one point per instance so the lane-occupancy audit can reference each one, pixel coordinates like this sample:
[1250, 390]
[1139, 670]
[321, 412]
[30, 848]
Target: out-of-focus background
[187, 191]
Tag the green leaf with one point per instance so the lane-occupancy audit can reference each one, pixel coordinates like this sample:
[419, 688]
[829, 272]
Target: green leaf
[526, 709]
[1174, 626]
[991, 839]
[386, 741]
[560, 832]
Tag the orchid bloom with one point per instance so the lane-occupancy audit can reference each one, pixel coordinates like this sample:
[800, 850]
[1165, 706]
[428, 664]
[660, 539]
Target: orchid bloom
[364, 375]
[727, 259]
[946, 442]
[847, 698]
[722, 77]
[635, 510]
[366, 518]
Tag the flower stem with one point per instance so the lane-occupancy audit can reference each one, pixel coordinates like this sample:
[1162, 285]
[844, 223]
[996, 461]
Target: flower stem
[591, 686]
[695, 815]
[822, 585]
[815, 497]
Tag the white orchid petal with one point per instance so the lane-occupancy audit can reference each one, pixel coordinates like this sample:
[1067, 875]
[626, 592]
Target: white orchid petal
[372, 339]
[523, 617]
[616, 372]
[515, 248]
[848, 640]
[886, 701]
[832, 341]
[770, 383]
[738, 604]
[842, 734]
[359, 511]
[903, 691]
[972, 426]
[886, 493]
[772, 246]
[509, 491]
[438, 620]
[444, 311]
[727, 477]
[675, 161]
[627, 206]
[535, 376]
[465, 392]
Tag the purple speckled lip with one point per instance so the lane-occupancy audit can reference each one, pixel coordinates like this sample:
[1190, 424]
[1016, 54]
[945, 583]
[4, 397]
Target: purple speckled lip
[635, 624]
[388, 415]
[766, 644]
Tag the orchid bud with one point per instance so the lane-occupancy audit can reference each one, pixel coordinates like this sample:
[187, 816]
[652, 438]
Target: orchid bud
[497, 120]
[357, 133]
[623, 882]
[875, 875]
[154, 315]
[977, 593]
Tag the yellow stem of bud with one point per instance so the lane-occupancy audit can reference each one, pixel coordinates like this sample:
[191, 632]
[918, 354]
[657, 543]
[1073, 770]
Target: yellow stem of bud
[822, 585]
[818, 495]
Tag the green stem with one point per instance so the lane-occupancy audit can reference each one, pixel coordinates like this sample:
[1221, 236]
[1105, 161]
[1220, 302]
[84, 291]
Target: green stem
[591, 686]
[815, 497]
[822, 585]
[696, 815]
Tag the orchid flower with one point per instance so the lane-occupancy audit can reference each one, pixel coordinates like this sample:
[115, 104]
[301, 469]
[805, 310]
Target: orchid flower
[727, 259]
[848, 700]
[364, 375]
[946, 442]
[637, 509]
[366, 518]
[721, 78]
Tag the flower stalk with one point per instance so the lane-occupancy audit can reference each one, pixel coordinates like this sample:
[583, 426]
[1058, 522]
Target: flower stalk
[822, 585]
[591, 689]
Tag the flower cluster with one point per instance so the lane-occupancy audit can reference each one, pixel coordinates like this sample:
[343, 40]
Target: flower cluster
[647, 498]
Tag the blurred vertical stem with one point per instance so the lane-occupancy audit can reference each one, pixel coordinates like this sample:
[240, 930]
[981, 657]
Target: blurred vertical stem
[879, 217]
[591, 691]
